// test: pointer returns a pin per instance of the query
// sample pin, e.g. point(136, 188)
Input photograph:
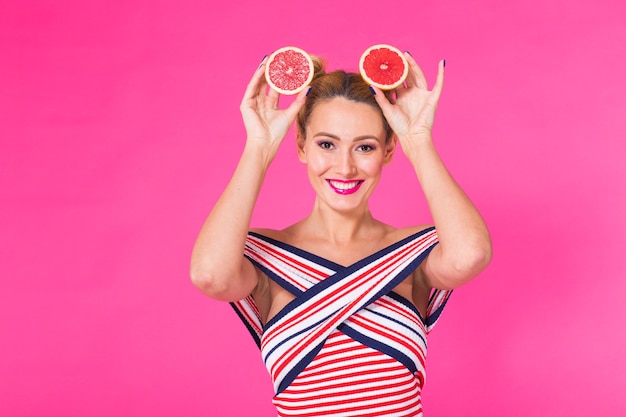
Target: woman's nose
point(345, 164)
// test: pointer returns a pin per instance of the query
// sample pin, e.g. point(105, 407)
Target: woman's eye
point(325, 145)
point(365, 148)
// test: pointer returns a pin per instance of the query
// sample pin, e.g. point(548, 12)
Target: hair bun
point(319, 66)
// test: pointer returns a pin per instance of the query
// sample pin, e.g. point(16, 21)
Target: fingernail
point(308, 91)
point(407, 52)
point(372, 90)
point(262, 61)
point(444, 63)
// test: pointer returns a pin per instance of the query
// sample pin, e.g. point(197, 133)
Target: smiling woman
point(346, 151)
point(339, 303)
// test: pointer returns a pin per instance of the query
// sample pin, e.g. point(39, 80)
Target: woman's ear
point(300, 142)
point(390, 149)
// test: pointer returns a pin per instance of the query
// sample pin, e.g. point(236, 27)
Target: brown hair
point(326, 86)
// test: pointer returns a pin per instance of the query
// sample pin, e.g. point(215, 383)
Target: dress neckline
point(320, 260)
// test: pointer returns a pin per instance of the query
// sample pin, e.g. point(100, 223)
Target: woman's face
point(344, 151)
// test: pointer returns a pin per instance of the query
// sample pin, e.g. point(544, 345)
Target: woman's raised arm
point(464, 248)
point(218, 267)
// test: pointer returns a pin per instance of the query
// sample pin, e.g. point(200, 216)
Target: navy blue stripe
point(299, 252)
point(254, 334)
point(431, 319)
point(298, 368)
point(402, 275)
point(379, 346)
point(384, 251)
point(275, 277)
point(408, 304)
point(409, 328)
point(282, 342)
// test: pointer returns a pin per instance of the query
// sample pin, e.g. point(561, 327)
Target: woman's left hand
point(413, 114)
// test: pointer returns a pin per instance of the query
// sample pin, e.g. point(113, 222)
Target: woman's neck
point(340, 227)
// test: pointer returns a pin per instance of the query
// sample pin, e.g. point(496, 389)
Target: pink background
point(119, 127)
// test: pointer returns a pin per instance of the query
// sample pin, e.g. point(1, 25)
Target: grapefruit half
point(289, 70)
point(383, 66)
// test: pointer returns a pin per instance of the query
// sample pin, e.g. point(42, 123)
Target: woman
point(341, 303)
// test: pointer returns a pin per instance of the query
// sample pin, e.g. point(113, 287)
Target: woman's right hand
point(267, 125)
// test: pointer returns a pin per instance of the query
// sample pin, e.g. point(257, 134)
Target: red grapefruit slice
point(383, 66)
point(289, 70)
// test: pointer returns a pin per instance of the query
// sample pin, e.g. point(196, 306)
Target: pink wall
point(119, 126)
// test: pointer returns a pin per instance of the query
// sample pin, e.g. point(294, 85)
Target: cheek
point(372, 165)
point(317, 162)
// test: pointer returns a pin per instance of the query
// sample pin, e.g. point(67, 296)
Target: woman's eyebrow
point(358, 138)
point(326, 134)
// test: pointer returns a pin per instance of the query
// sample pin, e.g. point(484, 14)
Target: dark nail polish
point(408, 53)
point(444, 63)
point(308, 91)
point(372, 90)
point(262, 61)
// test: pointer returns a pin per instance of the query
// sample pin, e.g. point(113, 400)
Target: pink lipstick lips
point(344, 187)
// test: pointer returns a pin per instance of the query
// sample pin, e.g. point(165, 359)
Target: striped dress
point(347, 345)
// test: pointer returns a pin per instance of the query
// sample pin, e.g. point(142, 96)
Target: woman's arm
point(218, 267)
point(464, 248)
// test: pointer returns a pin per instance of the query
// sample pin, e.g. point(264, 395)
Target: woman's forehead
point(340, 114)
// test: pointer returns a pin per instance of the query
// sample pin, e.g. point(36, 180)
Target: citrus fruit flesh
point(289, 70)
point(383, 66)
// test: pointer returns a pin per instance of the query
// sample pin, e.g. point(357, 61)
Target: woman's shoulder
point(400, 233)
point(296, 235)
point(271, 233)
point(288, 235)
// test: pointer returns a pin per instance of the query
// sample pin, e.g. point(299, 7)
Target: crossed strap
point(356, 300)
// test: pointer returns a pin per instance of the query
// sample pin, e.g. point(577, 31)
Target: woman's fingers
point(438, 87)
point(382, 101)
point(257, 82)
point(292, 111)
point(272, 98)
point(411, 78)
point(417, 79)
point(416, 76)
point(257, 93)
point(395, 114)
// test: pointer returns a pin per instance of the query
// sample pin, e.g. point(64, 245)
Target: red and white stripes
point(348, 378)
point(346, 345)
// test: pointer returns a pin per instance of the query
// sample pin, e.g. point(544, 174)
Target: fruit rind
point(377, 84)
point(268, 70)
